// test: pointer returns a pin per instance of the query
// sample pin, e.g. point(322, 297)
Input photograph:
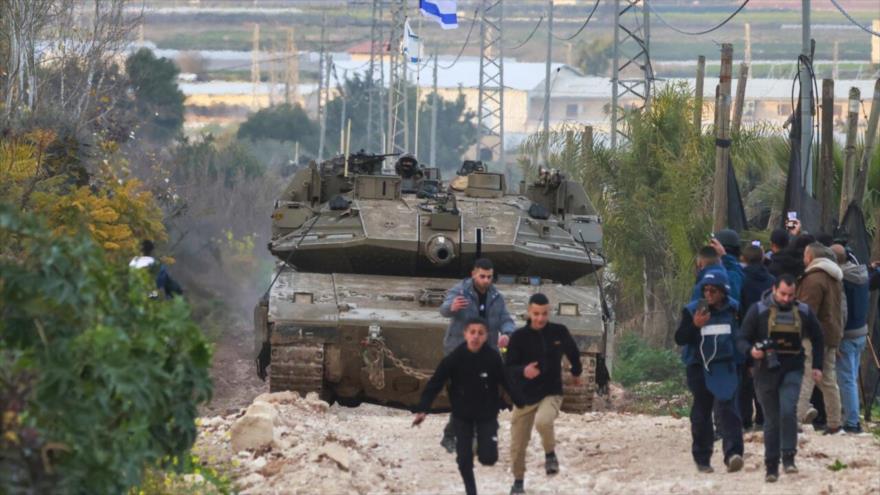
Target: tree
point(594, 58)
point(282, 123)
point(456, 129)
point(158, 100)
point(97, 381)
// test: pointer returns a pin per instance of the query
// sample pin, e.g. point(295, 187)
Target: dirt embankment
point(315, 448)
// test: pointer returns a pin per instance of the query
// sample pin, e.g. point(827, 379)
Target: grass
point(653, 378)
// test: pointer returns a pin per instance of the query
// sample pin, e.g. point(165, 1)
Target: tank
point(366, 257)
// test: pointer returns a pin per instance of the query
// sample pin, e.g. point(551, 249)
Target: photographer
point(772, 332)
point(707, 330)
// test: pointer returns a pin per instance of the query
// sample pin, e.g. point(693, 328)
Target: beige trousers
point(541, 415)
point(828, 385)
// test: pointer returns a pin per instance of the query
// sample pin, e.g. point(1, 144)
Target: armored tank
point(366, 258)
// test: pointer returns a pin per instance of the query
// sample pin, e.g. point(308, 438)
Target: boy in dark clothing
point(475, 371)
point(708, 329)
point(783, 323)
point(534, 358)
point(756, 282)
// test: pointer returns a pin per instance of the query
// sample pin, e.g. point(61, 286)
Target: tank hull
point(373, 338)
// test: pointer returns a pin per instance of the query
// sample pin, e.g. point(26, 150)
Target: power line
point(846, 14)
point(584, 25)
point(466, 41)
point(529, 37)
point(696, 33)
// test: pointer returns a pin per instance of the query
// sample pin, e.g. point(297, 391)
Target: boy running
point(475, 371)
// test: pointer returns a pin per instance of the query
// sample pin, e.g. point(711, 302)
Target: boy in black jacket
point(534, 355)
point(475, 371)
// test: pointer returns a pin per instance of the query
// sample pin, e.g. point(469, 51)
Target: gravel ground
point(374, 450)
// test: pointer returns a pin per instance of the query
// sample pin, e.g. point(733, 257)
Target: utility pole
point(698, 93)
point(740, 101)
point(849, 165)
point(273, 73)
point(321, 88)
point(490, 103)
point(397, 81)
point(722, 139)
point(826, 157)
point(861, 180)
point(747, 54)
point(418, 90)
point(835, 57)
point(328, 62)
point(806, 99)
point(375, 46)
point(632, 73)
point(434, 101)
point(547, 84)
point(255, 66)
point(291, 73)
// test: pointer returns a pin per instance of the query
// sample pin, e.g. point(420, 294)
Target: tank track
point(297, 365)
point(579, 399)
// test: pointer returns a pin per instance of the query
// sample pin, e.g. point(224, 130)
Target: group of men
point(530, 372)
point(770, 327)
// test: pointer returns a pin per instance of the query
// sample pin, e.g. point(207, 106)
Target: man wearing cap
point(709, 333)
point(726, 244)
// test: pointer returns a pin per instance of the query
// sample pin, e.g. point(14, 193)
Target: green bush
point(637, 362)
point(97, 381)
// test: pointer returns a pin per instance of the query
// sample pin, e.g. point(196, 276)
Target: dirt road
point(371, 449)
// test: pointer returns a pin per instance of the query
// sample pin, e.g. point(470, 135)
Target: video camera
point(769, 349)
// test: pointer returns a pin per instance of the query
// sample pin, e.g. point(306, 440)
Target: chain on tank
point(373, 359)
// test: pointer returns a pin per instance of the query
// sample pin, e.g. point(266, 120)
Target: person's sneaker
point(517, 488)
point(811, 414)
point(788, 465)
point(735, 463)
point(448, 443)
point(832, 431)
point(705, 468)
point(551, 463)
point(772, 475)
point(855, 430)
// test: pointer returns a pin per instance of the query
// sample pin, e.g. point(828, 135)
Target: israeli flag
point(442, 11)
point(412, 46)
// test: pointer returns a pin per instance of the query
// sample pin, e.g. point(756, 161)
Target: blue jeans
point(848, 378)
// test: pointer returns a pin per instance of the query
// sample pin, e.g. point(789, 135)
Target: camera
point(770, 357)
point(792, 220)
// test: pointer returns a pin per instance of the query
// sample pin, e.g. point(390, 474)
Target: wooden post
point(826, 157)
point(861, 181)
point(849, 166)
point(740, 97)
point(722, 139)
point(587, 145)
point(698, 93)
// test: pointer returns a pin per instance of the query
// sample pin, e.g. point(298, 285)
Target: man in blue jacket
point(726, 244)
point(855, 334)
point(709, 331)
point(757, 280)
point(474, 297)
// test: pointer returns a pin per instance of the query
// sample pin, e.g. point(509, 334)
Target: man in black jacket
point(781, 322)
point(475, 371)
point(534, 358)
point(756, 281)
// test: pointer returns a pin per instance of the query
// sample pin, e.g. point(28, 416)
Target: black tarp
point(797, 199)
point(855, 233)
point(736, 214)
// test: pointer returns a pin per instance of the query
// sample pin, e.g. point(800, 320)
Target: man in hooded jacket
point(821, 289)
point(756, 282)
point(855, 334)
point(709, 335)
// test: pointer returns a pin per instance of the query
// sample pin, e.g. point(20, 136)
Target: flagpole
point(418, 85)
